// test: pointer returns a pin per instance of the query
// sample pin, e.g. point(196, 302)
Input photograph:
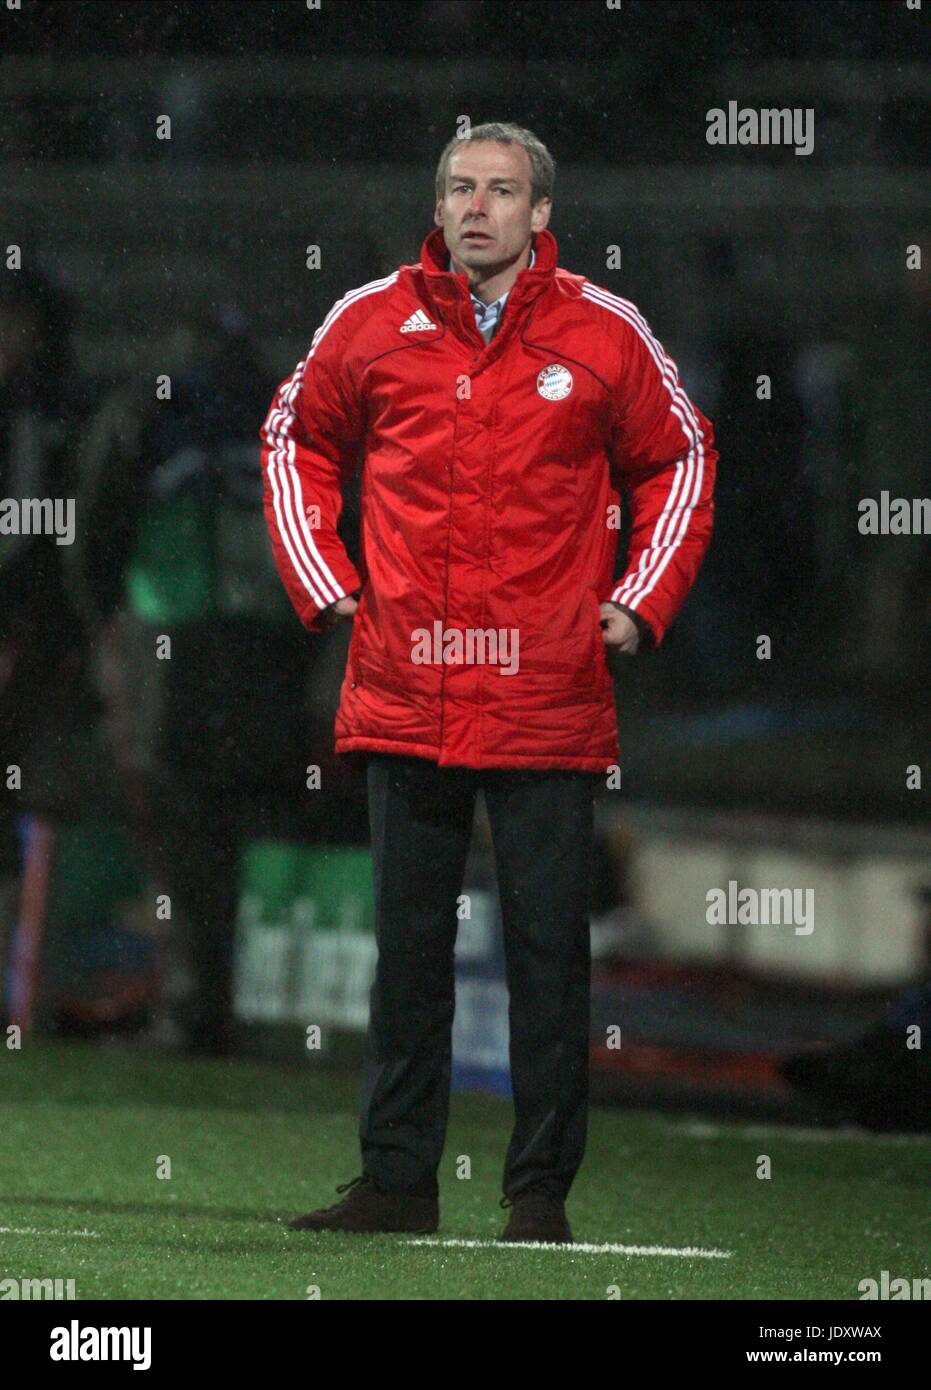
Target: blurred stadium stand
point(296, 131)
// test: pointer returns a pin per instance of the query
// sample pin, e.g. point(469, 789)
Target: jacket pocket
point(352, 656)
point(602, 671)
point(358, 635)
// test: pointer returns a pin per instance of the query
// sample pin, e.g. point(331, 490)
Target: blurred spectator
point(212, 742)
point(881, 1077)
point(39, 633)
point(754, 580)
point(889, 625)
point(877, 1079)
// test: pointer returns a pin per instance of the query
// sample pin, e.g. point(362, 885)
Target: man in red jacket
point(503, 406)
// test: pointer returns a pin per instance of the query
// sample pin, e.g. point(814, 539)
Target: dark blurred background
point(140, 257)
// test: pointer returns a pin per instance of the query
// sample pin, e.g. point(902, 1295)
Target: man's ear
point(438, 212)
point(540, 214)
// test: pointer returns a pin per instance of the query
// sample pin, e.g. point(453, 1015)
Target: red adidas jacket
point(491, 481)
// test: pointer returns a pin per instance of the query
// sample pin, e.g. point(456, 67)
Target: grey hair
point(542, 164)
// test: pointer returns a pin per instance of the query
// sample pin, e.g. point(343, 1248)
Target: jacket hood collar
point(446, 284)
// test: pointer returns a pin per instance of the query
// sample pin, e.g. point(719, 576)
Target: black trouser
point(542, 829)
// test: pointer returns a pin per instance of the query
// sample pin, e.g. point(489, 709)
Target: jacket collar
point(451, 291)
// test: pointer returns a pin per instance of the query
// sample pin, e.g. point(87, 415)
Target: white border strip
point(686, 1252)
point(41, 1231)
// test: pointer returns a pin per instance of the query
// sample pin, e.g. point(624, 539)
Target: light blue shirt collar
point(488, 316)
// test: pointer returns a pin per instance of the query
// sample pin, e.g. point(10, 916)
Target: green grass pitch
point(82, 1129)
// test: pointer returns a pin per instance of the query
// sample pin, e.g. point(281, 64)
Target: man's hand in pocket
point(618, 630)
point(342, 608)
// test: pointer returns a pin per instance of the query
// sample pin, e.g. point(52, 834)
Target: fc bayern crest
point(554, 382)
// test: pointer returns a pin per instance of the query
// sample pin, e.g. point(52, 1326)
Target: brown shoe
point(370, 1207)
point(537, 1213)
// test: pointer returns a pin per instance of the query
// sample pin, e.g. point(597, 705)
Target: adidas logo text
point(417, 323)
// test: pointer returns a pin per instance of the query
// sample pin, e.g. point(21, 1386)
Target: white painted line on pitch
point(686, 1252)
point(700, 1130)
point(833, 1136)
point(37, 1231)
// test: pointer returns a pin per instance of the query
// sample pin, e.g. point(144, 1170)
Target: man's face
point(486, 215)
